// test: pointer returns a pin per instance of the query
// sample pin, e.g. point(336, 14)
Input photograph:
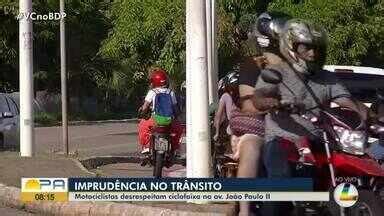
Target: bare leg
point(249, 148)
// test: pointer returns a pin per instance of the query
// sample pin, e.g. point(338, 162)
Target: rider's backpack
point(163, 112)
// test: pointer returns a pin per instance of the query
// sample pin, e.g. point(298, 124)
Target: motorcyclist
point(227, 103)
point(376, 150)
point(247, 122)
point(159, 86)
point(303, 46)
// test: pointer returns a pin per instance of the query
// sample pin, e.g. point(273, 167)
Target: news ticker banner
point(169, 189)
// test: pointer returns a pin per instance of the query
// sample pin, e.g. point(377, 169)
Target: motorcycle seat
point(161, 129)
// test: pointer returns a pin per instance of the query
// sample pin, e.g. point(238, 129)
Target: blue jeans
point(276, 165)
point(275, 160)
point(377, 150)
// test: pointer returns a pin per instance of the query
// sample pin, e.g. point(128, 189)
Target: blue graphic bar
point(188, 184)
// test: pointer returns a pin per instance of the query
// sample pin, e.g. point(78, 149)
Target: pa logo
point(44, 184)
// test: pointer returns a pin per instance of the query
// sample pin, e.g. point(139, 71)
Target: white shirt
point(152, 93)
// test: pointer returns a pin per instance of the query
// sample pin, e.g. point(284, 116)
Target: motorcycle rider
point(303, 46)
point(159, 85)
point(376, 150)
point(227, 103)
point(247, 122)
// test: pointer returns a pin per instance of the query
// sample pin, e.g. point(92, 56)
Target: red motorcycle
point(338, 156)
point(161, 153)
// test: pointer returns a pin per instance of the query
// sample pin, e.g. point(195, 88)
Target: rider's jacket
point(323, 85)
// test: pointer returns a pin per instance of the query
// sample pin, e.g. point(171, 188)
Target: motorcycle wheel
point(159, 163)
point(369, 204)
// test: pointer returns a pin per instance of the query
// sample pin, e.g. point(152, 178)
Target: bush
point(98, 116)
point(47, 119)
point(51, 119)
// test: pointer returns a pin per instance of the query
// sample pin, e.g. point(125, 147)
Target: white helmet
point(297, 32)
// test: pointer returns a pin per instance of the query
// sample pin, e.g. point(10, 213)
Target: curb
point(80, 165)
point(78, 123)
point(134, 120)
point(10, 196)
point(94, 162)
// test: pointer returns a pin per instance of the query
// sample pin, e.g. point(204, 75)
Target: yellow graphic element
point(345, 195)
point(32, 184)
point(348, 198)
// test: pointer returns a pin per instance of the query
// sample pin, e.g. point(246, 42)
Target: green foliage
point(152, 33)
point(353, 26)
point(47, 119)
point(237, 9)
point(52, 118)
point(145, 34)
point(86, 26)
point(235, 17)
point(111, 45)
point(8, 44)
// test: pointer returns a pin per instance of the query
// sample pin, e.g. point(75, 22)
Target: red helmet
point(159, 78)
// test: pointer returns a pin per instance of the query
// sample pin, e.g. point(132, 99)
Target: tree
point(355, 27)
point(8, 45)
point(150, 33)
point(112, 45)
point(235, 17)
point(145, 34)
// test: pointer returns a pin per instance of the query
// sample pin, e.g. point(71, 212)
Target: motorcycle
point(377, 138)
point(339, 158)
point(161, 154)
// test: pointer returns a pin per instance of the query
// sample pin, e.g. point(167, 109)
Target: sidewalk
point(13, 168)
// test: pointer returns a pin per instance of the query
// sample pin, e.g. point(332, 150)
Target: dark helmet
point(229, 82)
point(233, 78)
point(297, 32)
point(267, 28)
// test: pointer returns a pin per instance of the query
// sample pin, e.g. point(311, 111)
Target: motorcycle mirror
point(271, 76)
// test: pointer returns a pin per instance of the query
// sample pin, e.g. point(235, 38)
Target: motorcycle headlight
point(352, 142)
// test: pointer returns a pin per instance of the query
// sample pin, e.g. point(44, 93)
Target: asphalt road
point(90, 140)
point(100, 140)
point(95, 140)
point(87, 140)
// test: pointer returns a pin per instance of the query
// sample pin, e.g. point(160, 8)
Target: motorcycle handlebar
point(291, 107)
point(296, 108)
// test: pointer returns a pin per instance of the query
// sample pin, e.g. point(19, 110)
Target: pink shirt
point(229, 106)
